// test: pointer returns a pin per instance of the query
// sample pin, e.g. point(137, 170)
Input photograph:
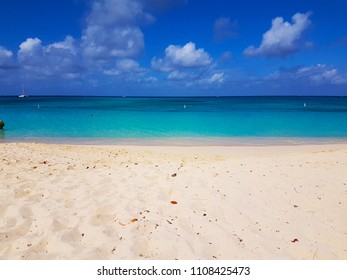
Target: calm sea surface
point(138, 118)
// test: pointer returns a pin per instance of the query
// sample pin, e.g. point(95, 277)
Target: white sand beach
point(62, 201)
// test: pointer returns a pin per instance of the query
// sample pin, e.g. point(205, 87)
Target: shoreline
point(185, 141)
point(139, 202)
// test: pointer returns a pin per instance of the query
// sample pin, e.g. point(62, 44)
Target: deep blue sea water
point(111, 118)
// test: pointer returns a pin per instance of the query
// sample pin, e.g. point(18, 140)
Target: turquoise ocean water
point(55, 118)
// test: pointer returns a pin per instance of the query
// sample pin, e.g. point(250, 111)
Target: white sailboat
point(23, 94)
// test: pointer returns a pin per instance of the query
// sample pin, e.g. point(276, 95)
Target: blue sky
point(173, 47)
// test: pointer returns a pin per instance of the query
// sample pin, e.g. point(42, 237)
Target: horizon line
point(170, 96)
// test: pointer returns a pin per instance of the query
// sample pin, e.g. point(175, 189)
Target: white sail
point(23, 93)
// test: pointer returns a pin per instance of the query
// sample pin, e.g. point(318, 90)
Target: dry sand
point(113, 202)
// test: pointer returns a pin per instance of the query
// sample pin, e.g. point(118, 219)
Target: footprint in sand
point(25, 212)
point(16, 232)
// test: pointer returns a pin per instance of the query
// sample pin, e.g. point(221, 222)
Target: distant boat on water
point(23, 93)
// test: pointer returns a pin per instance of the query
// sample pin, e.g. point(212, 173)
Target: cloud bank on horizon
point(113, 56)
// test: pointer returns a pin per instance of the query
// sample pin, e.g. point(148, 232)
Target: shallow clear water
point(103, 117)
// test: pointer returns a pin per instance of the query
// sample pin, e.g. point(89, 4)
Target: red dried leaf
point(173, 202)
point(134, 220)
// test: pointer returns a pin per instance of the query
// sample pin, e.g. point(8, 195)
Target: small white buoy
point(184, 106)
point(304, 104)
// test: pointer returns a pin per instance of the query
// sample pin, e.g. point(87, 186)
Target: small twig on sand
point(315, 253)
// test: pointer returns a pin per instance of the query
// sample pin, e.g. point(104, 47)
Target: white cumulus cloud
point(6, 58)
point(110, 40)
point(216, 78)
point(4, 53)
point(129, 65)
point(183, 63)
point(181, 57)
point(150, 79)
point(125, 66)
point(187, 56)
point(283, 38)
point(30, 50)
point(60, 58)
point(182, 75)
point(319, 74)
point(210, 80)
point(69, 45)
point(113, 29)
